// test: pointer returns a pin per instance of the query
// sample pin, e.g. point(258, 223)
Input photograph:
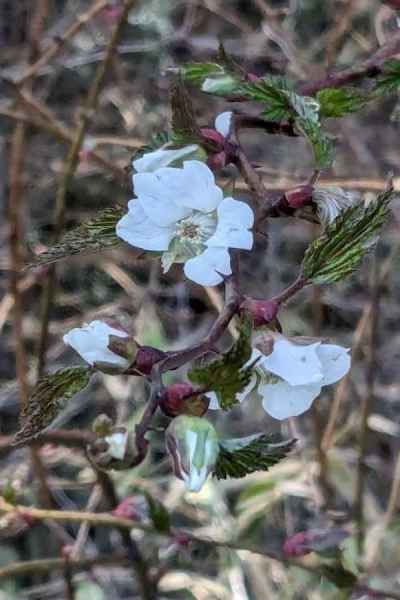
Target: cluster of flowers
point(180, 213)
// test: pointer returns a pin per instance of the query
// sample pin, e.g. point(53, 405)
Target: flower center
point(187, 230)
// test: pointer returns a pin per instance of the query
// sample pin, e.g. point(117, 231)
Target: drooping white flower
point(162, 157)
point(293, 374)
point(181, 212)
point(193, 446)
point(91, 342)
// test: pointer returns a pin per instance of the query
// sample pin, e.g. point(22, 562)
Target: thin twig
point(375, 292)
point(70, 165)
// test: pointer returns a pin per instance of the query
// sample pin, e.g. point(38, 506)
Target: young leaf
point(184, 126)
point(227, 376)
point(340, 250)
point(242, 456)
point(48, 398)
point(94, 235)
point(196, 73)
point(159, 515)
point(273, 91)
point(337, 102)
point(322, 144)
point(389, 81)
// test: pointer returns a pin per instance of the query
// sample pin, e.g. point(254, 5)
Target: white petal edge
point(199, 190)
point(336, 362)
point(209, 267)
point(138, 230)
point(223, 122)
point(295, 363)
point(151, 161)
point(91, 341)
point(281, 400)
point(235, 218)
point(158, 194)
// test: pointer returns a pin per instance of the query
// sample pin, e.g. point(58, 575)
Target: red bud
point(128, 509)
point(213, 136)
point(262, 311)
point(313, 540)
point(217, 161)
point(298, 197)
point(174, 398)
point(146, 358)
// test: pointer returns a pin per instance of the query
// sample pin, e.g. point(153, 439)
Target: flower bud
point(299, 196)
point(116, 450)
point(313, 540)
point(262, 311)
point(213, 138)
point(192, 444)
point(146, 358)
point(181, 398)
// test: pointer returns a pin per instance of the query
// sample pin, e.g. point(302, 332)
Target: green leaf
point(337, 102)
point(48, 398)
point(389, 81)
point(340, 250)
point(242, 456)
point(196, 73)
point(227, 375)
point(273, 91)
point(159, 515)
point(94, 235)
point(184, 126)
point(322, 144)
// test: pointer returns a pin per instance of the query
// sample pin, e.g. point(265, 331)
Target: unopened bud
point(181, 398)
point(261, 311)
point(193, 446)
point(299, 196)
point(146, 358)
point(116, 450)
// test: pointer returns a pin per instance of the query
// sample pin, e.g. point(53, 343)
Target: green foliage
point(159, 515)
point(322, 145)
point(227, 375)
point(212, 78)
point(338, 102)
point(196, 72)
point(93, 236)
point(340, 250)
point(48, 398)
point(242, 456)
point(275, 92)
point(389, 81)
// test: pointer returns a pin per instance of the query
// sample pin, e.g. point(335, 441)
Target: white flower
point(162, 157)
point(293, 374)
point(91, 342)
point(181, 212)
point(117, 443)
point(223, 123)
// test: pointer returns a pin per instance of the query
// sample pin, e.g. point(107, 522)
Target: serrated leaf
point(227, 375)
point(197, 72)
point(48, 398)
point(94, 235)
point(258, 452)
point(389, 80)
point(273, 91)
point(337, 102)
point(159, 515)
point(340, 250)
point(322, 145)
point(184, 126)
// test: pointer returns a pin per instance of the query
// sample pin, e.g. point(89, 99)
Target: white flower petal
point(117, 444)
point(212, 396)
point(138, 230)
point(91, 342)
point(151, 161)
point(223, 123)
point(234, 220)
point(159, 192)
point(199, 190)
point(295, 363)
point(281, 400)
point(336, 362)
point(205, 269)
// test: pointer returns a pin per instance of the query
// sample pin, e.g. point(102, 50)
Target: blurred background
point(316, 486)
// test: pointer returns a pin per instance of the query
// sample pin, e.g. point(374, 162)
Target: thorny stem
point(371, 370)
point(299, 283)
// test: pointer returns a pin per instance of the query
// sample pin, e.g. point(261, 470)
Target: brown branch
point(371, 370)
point(48, 565)
point(371, 67)
point(60, 41)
